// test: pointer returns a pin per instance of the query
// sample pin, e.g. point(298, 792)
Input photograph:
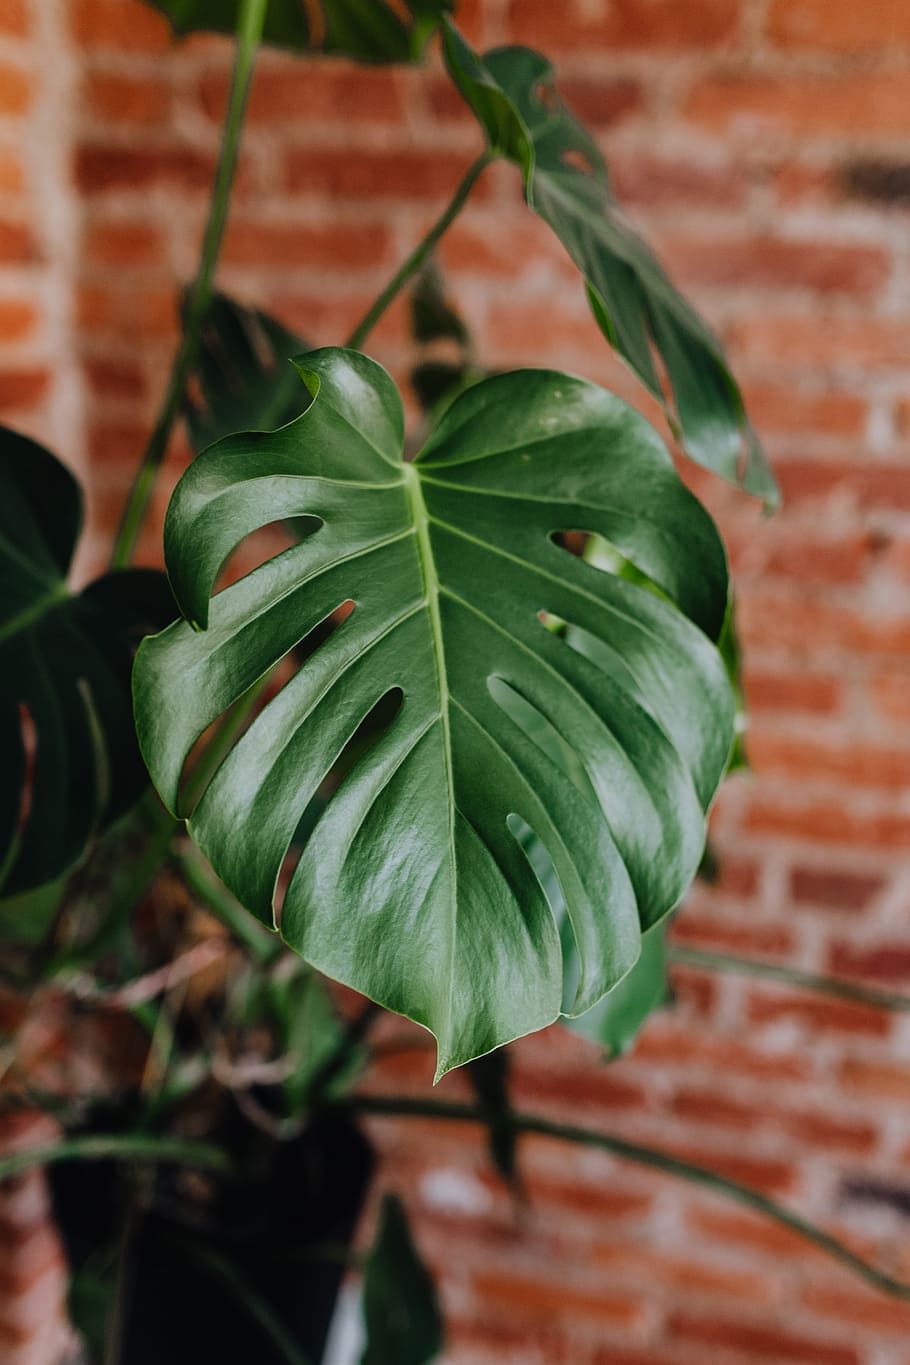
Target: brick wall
point(764, 145)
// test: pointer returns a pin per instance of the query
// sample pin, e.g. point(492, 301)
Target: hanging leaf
point(400, 1308)
point(243, 379)
point(489, 1078)
point(616, 1020)
point(412, 887)
point(372, 31)
point(511, 91)
point(67, 748)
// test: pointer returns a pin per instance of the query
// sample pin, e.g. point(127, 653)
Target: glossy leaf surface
point(68, 752)
point(413, 887)
point(370, 31)
point(243, 379)
point(400, 1308)
point(511, 91)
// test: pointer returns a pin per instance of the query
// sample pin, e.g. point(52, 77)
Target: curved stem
point(249, 32)
point(419, 255)
point(394, 1107)
point(790, 976)
point(117, 1147)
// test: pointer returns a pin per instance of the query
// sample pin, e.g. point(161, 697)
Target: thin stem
point(262, 944)
point(394, 1107)
point(790, 976)
point(419, 255)
point(117, 1147)
point(249, 32)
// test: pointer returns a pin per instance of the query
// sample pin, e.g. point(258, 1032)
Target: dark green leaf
point(432, 316)
point(67, 748)
point(413, 887)
point(489, 1077)
point(27, 918)
point(243, 379)
point(511, 91)
point(367, 30)
point(403, 1322)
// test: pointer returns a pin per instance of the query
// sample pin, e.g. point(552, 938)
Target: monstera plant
point(448, 738)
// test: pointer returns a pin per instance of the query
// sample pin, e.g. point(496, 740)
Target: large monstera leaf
point(413, 886)
point(373, 31)
point(511, 91)
point(68, 751)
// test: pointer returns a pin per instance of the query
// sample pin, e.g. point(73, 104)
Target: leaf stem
point(249, 32)
point(420, 253)
point(395, 1107)
point(117, 1147)
point(790, 976)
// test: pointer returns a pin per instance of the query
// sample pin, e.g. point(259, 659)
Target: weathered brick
point(819, 1014)
point(119, 25)
point(839, 25)
point(328, 92)
point(22, 388)
point(15, 89)
point(285, 244)
point(14, 17)
point(127, 99)
point(759, 1340)
point(770, 262)
point(409, 172)
point(101, 167)
point(835, 889)
point(634, 24)
point(847, 105)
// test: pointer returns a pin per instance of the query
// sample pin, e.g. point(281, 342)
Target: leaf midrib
point(421, 521)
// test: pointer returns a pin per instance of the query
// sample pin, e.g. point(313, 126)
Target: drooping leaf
point(400, 1308)
point(412, 887)
point(68, 753)
point(243, 379)
point(373, 31)
point(511, 91)
point(433, 318)
point(616, 1020)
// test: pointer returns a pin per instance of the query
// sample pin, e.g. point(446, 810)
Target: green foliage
point(511, 91)
point(368, 30)
point(616, 1021)
point(242, 377)
point(412, 887)
point(403, 1322)
point(67, 745)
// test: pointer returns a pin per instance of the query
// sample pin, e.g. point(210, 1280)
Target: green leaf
point(489, 1078)
point(67, 749)
point(413, 887)
point(511, 91)
point(243, 379)
point(27, 918)
point(368, 30)
point(401, 1311)
point(616, 1021)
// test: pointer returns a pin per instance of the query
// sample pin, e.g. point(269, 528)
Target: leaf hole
point(264, 544)
point(575, 158)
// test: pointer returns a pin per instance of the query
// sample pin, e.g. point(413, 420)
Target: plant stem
point(117, 1147)
point(263, 945)
point(249, 31)
point(790, 976)
point(394, 1107)
point(419, 255)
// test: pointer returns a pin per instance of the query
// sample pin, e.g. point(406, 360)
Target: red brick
point(633, 24)
point(327, 92)
point(124, 311)
point(756, 1340)
point(833, 888)
point(746, 1229)
point(769, 262)
point(855, 1138)
point(819, 1014)
point(723, 933)
point(707, 1106)
point(17, 319)
point(856, 764)
point(830, 824)
point(114, 378)
point(782, 619)
point(870, 485)
point(782, 408)
point(285, 244)
point(597, 1086)
point(770, 1175)
point(101, 167)
point(116, 443)
point(540, 1296)
point(119, 25)
point(17, 244)
point(13, 17)
point(875, 1080)
point(23, 388)
point(602, 103)
point(12, 175)
point(674, 1047)
point(847, 105)
point(127, 243)
point(409, 173)
point(595, 1201)
point(816, 561)
point(797, 691)
point(892, 694)
point(794, 340)
point(15, 89)
point(661, 182)
point(885, 963)
point(858, 1308)
point(127, 99)
point(839, 25)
